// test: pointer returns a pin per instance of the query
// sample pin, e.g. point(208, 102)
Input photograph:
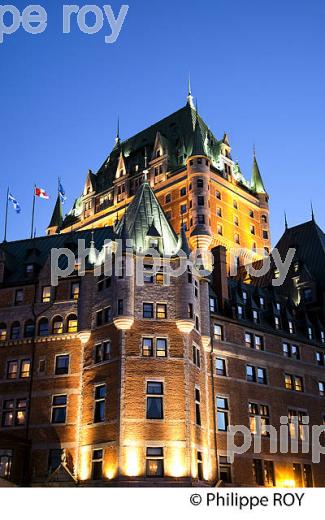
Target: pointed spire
point(285, 221)
point(117, 138)
point(198, 142)
point(57, 218)
point(312, 211)
point(257, 182)
point(189, 93)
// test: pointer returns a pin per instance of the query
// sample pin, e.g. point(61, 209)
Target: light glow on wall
point(132, 462)
point(176, 466)
point(84, 463)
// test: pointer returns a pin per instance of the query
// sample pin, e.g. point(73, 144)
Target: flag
point(14, 202)
point(62, 193)
point(39, 192)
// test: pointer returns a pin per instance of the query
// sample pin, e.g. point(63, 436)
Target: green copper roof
point(145, 219)
point(198, 141)
point(257, 183)
point(57, 219)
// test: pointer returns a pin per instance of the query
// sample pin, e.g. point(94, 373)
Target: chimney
point(219, 275)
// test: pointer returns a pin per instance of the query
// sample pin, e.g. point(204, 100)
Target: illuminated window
point(154, 462)
point(3, 332)
point(276, 322)
point(147, 347)
point(321, 388)
point(99, 409)
point(291, 327)
point(57, 327)
point(310, 332)
point(161, 347)
point(12, 369)
point(155, 391)
point(293, 382)
point(161, 311)
point(160, 278)
point(46, 294)
point(72, 323)
point(5, 463)
point(222, 413)
point(25, 366)
point(255, 316)
point(259, 418)
point(14, 412)
point(319, 358)
point(62, 364)
point(263, 472)
point(297, 420)
point(59, 409)
point(75, 289)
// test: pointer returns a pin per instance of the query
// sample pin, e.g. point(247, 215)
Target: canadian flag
point(39, 192)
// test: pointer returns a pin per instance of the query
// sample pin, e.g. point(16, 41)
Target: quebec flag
point(14, 202)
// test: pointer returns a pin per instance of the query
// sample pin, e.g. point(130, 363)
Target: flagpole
point(6, 217)
point(33, 213)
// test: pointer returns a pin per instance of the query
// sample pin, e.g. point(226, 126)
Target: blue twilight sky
point(257, 69)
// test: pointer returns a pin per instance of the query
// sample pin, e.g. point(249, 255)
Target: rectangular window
point(19, 296)
point(249, 339)
point(196, 355)
point(97, 465)
point(161, 347)
point(256, 374)
point(46, 294)
point(103, 351)
point(155, 391)
point(296, 424)
point(263, 472)
point(308, 475)
point(154, 462)
point(258, 472)
point(100, 400)
point(319, 358)
point(75, 289)
point(120, 307)
point(148, 310)
point(224, 470)
point(183, 209)
point(197, 407)
point(218, 332)
point(147, 274)
point(99, 318)
point(12, 369)
point(293, 382)
point(5, 463)
point(161, 311)
point(259, 344)
point(259, 418)
point(62, 364)
point(107, 314)
point(222, 413)
point(190, 311)
point(147, 347)
point(59, 409)
point(221, 367)
point(321, 388)
point(200, 200)
point(290, 350)
point(14, 412)
point(213, 304)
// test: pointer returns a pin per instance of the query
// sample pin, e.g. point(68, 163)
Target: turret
point(257, 184)
point(198, 170)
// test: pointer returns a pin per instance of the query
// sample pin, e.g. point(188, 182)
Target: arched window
point(29, 329)
point(3, 332)
point(264, 219)
point(15, 330)
point(43, 327)
point(72, 323)
point(57, 325)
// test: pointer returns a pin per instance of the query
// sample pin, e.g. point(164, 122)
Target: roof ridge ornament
point(190, 98)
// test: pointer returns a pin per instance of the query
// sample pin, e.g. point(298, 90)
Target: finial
point(117, 138)
point(145, 158)
point(189, 93)
point(254, 151)
point(312, 211)
point(285, 220)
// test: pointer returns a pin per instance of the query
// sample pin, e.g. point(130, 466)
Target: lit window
point(293, 382)
point(12, 369)
point(259, 418)
point(321, 388)
point(297, 420)
point(213, 305)
point(3, 332)
point(319, 358)
point(72, 323)
point(310, 333)
point(5, 463)
point(25, 366)
point(291, 327)
point(161, 311)
point(154, 462)
point(161, 347)
point(57, 327)
point(46, 294)
point(75, 289)
point(147, 347)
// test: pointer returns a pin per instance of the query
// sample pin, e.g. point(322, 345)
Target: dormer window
point(278, 306)
point(310, 332)
point(322, 336)
point(262, 302)
point(276, 322)
point(255, 316)
point(29, 268)
point(245, 296)
point(153, 243)
point(239, 311)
